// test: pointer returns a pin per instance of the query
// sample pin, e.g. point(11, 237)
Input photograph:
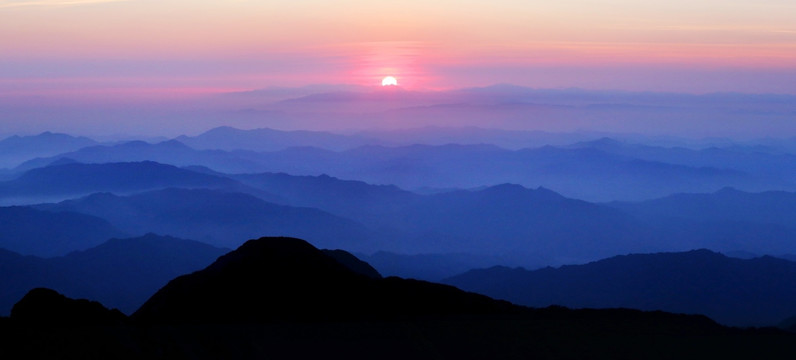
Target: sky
point(171, 48)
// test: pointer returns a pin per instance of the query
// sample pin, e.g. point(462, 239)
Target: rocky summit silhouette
point(283, 278)
point(46, 306)
point(281, 298)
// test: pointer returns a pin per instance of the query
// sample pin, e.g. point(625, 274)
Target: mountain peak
point(45, 306)
point(282, 278)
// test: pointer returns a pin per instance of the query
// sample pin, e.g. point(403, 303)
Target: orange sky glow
point(179, 44)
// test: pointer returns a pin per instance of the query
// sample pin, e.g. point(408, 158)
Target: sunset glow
point(251, 45)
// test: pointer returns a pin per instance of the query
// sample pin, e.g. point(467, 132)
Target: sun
point(389, 81)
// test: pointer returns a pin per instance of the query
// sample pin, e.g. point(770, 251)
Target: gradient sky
point(181, 47)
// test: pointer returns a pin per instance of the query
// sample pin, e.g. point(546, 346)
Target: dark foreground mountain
point(288, 279)
point(47, 306)
point(121, 273)
point(304, 304)
point(760, 291)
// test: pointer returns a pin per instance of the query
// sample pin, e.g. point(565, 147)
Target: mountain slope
point(759, 291)
point(585, 173)
point(17, 149)
point(120, 273)
point(288, 279)
point(44, 233)
point(281, 298)
point(726, 220)
point(358, 200)
point(218, 217)
point(727, 204)
point(167, 152)
point(264, 139)
point(76, 179)
point(510, 219)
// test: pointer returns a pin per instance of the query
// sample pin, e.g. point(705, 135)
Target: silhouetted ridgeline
point(121, 273)
point(303, 283)
point(760, 291)
point(282, 298)
point(42, 306)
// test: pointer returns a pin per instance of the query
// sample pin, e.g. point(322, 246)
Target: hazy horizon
point(350, 109)
point(115, 68)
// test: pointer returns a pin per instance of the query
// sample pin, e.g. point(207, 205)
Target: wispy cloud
point(51, 3)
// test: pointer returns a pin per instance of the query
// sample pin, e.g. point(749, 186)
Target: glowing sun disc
point(389, 81)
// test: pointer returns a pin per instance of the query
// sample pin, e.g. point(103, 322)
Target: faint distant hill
point(16, 149)
point(535, 227)
point(589, 174)
point(508, 219)
point(288, 279)
point(585, 173)
point(753, 159)
point(264, 139)
point(473, 135)
point(44, 233)
point(218, 217)
point(564, 110)
point(67, 180)
point(120, 273)
point(727, 204)
point(170, 152)
point(80, 179)
point(364, 202)
point(759, 291)
point(733, 218)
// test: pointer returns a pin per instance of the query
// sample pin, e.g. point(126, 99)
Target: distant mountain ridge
point(734, 219)
point(727, 204)
point(759, 292)
point(264, 139)
point(16, 149)
point(44, 233)
point(218, 217)
point(610, 175)
point(535, 226)
point(69, 179)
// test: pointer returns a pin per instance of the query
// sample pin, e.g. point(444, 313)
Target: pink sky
point(147, 47)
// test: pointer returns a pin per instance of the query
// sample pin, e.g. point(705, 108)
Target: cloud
point(51, 3)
